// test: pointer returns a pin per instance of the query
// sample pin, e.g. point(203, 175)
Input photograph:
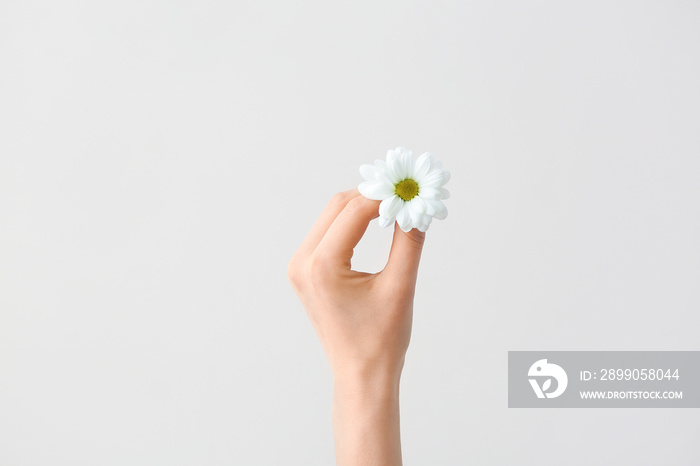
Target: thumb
point(405, 255)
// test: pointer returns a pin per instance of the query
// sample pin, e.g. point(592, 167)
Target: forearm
point(366, 420)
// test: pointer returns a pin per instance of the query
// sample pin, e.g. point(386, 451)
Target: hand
point(364, 324)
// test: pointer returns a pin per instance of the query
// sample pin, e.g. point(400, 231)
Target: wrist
point(363, 388)
point(366, 374)
point(366, 417)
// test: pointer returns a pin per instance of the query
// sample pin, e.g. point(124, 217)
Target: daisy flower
point(411, 192)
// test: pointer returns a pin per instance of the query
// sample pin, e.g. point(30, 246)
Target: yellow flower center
point(406, 189)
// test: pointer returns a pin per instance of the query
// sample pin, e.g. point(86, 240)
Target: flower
point(411, 192)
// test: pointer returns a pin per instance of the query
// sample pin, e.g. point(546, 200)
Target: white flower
point(411, 192)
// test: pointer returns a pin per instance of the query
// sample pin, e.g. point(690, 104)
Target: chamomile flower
point(411, 191)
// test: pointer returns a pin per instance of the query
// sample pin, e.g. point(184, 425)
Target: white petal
point(442, 213)
point(407, 227)
point(435, 179)
point(445, 177)
point(431, 180)
point(368, 172)
point(396, 157)
point(427, 192)
point(445, 193)
point(401, 151)
point(382, 173)
point(414, 209)
point(384, 177)
point(433, 206)
point(425, 223)
point(385, 222)
point(375, 190)
point(404, 219)
point(419, 205)
point(390, 207)
point(406, 163)
point(422, 166)
point(393, 169)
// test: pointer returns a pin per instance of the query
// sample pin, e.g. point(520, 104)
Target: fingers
point(404, 257)
point(324, 221)
point(347, 230)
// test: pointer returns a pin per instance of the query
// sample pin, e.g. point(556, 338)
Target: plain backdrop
point(160, 161)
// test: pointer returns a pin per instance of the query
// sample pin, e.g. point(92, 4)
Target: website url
point(631, 395)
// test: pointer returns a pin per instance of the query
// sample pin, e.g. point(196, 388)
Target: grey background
point(681, 367)
point(161, 161)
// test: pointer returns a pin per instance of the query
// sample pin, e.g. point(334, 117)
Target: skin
point(364, 323)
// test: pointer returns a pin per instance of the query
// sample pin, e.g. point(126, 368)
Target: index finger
point(347, 230)
point(324, 221)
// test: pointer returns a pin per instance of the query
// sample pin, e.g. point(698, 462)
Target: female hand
point(364, 323)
